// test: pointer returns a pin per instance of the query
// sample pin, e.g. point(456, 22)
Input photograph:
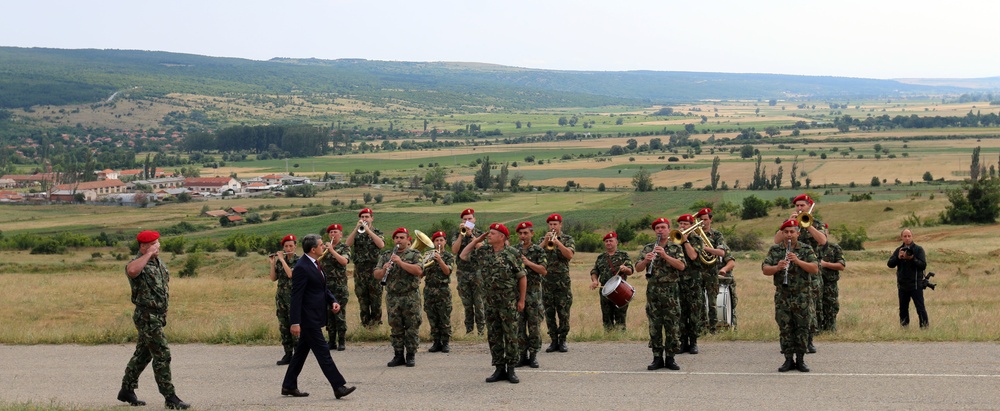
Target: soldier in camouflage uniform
point(832, 262)
point(366, 247)
point(609, 264)
point(813, 236)
point(402, 271)
point(711, 278)
point(663, 263)
point(529, 323)
point(692, 292)
point(149, 280)
point(792, 264)
point(333, 262)
point(470, 280)
point(281, 271)
point(505, 286)
point(557, 295)
point(437, 292)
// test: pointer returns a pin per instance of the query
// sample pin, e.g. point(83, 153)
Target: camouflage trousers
point(612, 316)
point(470, 290)
point(791, 312)
point(557, 298)
point(691, 295)
point(710, 282)
point(404, 321)
point(529, 323)
point(337, 323)
point(501, 323)
point(437, 305)
point(663, 310)
point(369, 293)
point(816, 304)
point(282, 303)
point(831, 304)
point(151, 345)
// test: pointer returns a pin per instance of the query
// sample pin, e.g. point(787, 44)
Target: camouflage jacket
point(365, 250)
point(434, 276)
point(832, 253)
point(607, 265)
point(336, 274)
point(557, 263)
point(285, 283)
point(798, 279)
point(400, 282)
point(462, 265)
point(150, 289)
point(663, 272)
point(719, 241)
point(500, 270)
point(696, 265)
point(536, 255)
point(806, 238)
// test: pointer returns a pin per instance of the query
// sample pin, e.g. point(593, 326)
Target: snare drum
point(724, 306)
point(618, 291)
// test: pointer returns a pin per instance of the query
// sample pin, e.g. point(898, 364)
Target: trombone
point(677, 237)
point(806, 219)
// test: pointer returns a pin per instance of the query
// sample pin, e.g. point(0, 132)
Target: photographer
point(909, 261)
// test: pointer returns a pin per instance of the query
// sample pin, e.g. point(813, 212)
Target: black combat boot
point(523, 361)
point(562, 345)
point(444, 345)
point(436, 347)
point(341, 342)
point(684, 345)
point(128, 395)
point(788, 365)
point(554, 346)
point(811, 348)
point(657, 362)
point(511, 376)
point(693, 349)
point(800, 363)
point(397, 360)
point(499, 375)
point(286, 359)
point(411, 359)
point(174, 403)
point(671, 364)
point(532, 360)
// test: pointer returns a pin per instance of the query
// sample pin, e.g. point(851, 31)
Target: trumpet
point(549, 243)
point(361, 230)
point(464, 231)
point(806, 219)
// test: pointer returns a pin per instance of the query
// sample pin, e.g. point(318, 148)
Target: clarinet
point(649, 268)
point(386, 275)
point(788, 249)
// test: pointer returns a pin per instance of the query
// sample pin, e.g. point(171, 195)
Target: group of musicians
point(506, 285)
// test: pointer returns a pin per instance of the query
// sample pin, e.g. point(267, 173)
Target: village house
point(158, 183)
point(212, 185)
point(91, 190)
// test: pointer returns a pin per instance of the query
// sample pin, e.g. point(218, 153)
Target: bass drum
point(724, 306)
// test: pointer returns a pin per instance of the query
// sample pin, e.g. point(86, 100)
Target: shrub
point(174, 244)
point(191, 265)
point(851, 240)
point(625, 232)
point(589, 242)
point(48, 246)
point(741, 241)
point(754, 207)
point(782, 202)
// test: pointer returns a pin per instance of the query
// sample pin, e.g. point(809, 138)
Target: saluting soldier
point(505, 287)
point(832, 262)
point(367, 242)
point(529, 323)
point(610, 263)
point(281, 271)
point(470, 280)
point(557, 295)
point(664, 264)
point(149, 280)
point(401, 268)
point(334, 264)
point(692, 290)
point(437, 293)
point(791, 265)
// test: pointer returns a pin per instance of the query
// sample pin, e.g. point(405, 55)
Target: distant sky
point(850, 38)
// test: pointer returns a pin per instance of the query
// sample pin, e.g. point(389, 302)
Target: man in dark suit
point(310, 300)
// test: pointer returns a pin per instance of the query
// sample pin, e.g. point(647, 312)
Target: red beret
point(826, 226)
point(803, 197)
point(659, 221)
point(399, 230)
point(467, 211)
point(789, 223)
point(611, 235)
point(554, 217)
point(703, 211)
point(334, 226)
point(365, 210)
point(439, 234)
point(147, 236)
point(290, 237)
point(501, 228)
point(523, 225)
point(686, 217)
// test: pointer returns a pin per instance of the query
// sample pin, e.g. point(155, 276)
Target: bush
point(851, 240)
point(754, 207)
point(741, 241)
point(782, 202)
point(203, 244)
point(860, 197)
point(312, 211)
point(191, 265)
point(625, 232)
point(174, 244)
point(48, 246)
point(589, 242)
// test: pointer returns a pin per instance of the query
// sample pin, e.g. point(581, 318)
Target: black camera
point(926, 282)
point(908, 250)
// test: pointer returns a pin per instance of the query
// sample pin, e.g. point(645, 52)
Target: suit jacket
point(311, 299)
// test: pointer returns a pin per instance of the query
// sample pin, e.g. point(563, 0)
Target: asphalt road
point(592, 376)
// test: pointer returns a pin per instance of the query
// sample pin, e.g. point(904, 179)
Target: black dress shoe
point(342, 391)
point(174, 403)
point(127, 395)
point(285, 360)
point(293, 392)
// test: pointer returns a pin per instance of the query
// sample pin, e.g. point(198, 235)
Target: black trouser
point(917, 295)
